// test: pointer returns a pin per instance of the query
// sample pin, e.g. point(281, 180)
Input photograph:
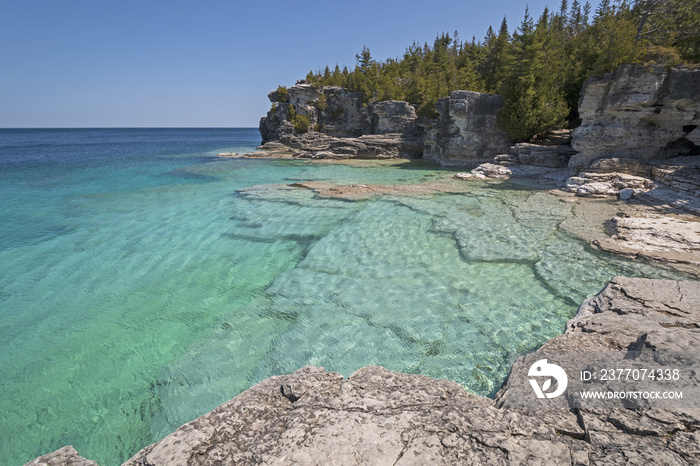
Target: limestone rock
point(664, 239)
point(466, 132)
point(607, 184)
point(391, 116)
point(487, 171)
point(680, 173)
point(343, 127)
point(382, 417)
point(643, 113)
point(626, 194)
point(543, 156)
point(66, 456)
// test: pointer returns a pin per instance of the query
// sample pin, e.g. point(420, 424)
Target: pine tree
point(496, 61)
point(534, 100)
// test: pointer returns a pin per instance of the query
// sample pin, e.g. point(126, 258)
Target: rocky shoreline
point(632, 174)
point(381, 417)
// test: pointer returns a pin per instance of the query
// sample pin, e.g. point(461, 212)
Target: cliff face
point(644, 113)
point(340, 126)
point(465, 132)
point(632, 120)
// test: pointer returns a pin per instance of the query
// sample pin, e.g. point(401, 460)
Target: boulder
point(607, 184)
point(487, 171)
point(626, 194)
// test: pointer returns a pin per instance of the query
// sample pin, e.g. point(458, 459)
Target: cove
point(145, 281)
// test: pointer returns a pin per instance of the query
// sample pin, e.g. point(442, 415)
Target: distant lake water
point(139, 288)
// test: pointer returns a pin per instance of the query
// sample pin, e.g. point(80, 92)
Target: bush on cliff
point(301, 123)
point(291, 112)
point(322, 102)
point(282, 94)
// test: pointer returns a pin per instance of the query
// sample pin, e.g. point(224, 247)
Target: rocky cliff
point(465, 132)
point(380, 417)
point(636, 121)
point(340, 126)
point(645, 113)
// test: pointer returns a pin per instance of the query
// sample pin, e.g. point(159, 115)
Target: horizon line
point(129, 127)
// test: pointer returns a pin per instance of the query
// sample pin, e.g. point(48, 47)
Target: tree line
point(539, 69)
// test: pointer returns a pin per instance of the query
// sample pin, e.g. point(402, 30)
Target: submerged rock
point(381, 417)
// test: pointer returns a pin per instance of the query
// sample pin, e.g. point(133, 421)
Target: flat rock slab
point(664, 239)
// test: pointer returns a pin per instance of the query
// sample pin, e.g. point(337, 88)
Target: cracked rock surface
point(381, 417)
point(376, 416)
point(664, 239)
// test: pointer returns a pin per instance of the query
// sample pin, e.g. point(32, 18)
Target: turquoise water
point(142, 283)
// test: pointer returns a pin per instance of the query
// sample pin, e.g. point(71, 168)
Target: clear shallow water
point(139, 288)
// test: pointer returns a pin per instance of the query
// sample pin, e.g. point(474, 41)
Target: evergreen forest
point(539, 68)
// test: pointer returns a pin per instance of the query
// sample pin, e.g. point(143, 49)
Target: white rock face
point(642, 113)
point(466, 132)
point(391, 116)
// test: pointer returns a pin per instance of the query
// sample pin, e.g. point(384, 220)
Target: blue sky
point(123, 63)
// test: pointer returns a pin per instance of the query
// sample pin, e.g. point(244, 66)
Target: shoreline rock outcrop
point(465, 132)
point(381, 417)
point(340, 126)
point(645, 113)
point(638, 120)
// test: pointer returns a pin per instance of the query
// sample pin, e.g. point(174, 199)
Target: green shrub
point(291, 112)
point(318, 127)
point(301, 123)
point(322, 102)
point(282, 94)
